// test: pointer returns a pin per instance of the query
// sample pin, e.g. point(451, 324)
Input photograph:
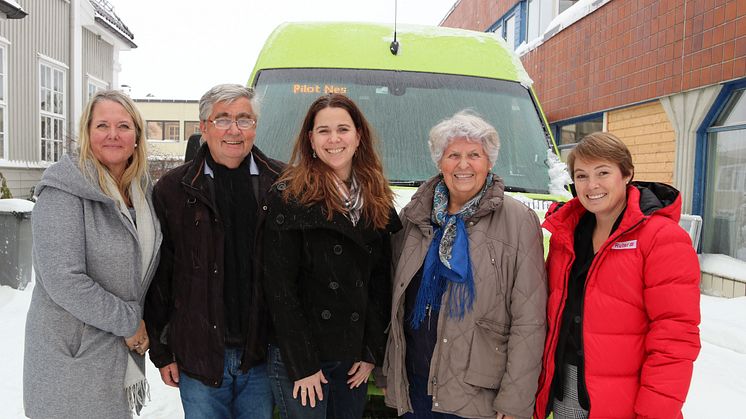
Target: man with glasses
point(204, 311)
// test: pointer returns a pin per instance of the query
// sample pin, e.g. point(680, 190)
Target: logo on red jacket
point(632, 244)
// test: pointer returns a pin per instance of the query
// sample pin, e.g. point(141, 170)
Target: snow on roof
point(105, 14)
point(16, 205)
point(572, 14)
point(723, 266)
point(12, 9)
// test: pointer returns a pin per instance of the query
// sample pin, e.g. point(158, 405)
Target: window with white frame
point(95, 85)
point(52, 98)
point(3, 102)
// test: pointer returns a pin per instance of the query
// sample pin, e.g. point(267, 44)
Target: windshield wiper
point(413, 183)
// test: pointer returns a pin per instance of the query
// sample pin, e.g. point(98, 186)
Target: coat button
point(264, 207)
point(445, 340)
point(333, 285)
point(326, 314)
point(337, 249)
point(359, 283)
point(577, 319)
point(280, 219)
point(282, 186)
point(355, 317)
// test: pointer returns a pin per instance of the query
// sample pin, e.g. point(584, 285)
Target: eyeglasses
point(241, 123)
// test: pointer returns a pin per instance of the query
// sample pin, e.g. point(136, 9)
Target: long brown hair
point(310, 181)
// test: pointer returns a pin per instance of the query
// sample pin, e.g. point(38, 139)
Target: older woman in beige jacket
point(469, 297)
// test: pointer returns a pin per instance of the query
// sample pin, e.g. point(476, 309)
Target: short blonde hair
point(602, 146)
point(137, 166)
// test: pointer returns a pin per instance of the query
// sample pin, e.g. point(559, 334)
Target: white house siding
point(43, 33)
point(97, 60)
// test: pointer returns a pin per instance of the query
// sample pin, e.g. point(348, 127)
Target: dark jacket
point(184, 307)
point(640, 308)
point(329, 289)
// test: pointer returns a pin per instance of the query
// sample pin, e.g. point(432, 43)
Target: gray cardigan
point(88, 297)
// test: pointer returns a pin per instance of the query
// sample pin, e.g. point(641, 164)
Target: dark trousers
point(422, 403)
point(340, 401)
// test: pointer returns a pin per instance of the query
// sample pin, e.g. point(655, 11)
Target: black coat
point(184, 307)
point(327, 284)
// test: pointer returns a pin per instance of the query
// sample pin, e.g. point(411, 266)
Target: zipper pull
point(429, 312)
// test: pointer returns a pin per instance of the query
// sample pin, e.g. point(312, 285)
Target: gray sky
point(187, 46)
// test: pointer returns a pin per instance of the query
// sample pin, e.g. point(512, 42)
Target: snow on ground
point(717, 391)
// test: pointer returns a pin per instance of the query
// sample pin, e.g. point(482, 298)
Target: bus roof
point(366, 45)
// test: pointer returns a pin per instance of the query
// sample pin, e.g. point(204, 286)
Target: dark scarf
point(237, 208)
point(447, 262)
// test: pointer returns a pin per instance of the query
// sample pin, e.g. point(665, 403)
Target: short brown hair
point(602, 146)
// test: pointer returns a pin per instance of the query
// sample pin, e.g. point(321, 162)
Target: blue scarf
point(447, 263)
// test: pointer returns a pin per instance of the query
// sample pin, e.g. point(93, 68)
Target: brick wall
point(477, 15)
point(630, 51)
point(650, 137)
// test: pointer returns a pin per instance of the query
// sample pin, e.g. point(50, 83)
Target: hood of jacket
point(419, 208)
point(66, 176)
point(644, 199)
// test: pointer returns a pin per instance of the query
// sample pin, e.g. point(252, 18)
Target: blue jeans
point(422, 403)
point(340, 402)
point(241, 396)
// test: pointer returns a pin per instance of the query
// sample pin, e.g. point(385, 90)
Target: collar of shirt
point(253, 168)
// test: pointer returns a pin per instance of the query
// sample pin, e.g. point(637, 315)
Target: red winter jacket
point(640, 310)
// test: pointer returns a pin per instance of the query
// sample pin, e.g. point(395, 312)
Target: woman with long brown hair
point(327, 282)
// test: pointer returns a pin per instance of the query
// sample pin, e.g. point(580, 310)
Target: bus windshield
point(401, 108)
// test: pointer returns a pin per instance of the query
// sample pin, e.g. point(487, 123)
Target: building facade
point(169, 124)
point(51, 61)
point(668, 77)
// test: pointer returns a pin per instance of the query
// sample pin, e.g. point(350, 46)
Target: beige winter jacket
point(489, 361)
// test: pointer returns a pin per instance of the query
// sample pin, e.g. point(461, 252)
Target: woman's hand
point(503, 416)
point(138, 342)
point(359, 372)
point(311, 387)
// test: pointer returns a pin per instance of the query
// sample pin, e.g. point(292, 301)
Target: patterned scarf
point(447, 262)
point(352, 198)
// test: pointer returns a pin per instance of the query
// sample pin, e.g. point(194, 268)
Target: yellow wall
point(650, 138)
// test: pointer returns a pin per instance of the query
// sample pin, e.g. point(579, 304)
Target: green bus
point(434, 73)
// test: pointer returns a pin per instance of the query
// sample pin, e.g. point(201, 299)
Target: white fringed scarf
point(135, 385)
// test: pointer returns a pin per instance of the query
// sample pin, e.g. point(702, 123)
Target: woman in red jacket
point(623, 308)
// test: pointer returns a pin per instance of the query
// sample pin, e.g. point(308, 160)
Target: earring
point(135, 145)
point(314, 154)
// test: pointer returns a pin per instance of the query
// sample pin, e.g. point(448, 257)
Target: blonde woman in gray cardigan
point(95, 244)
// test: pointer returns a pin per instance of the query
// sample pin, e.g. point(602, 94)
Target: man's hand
point(170, 374)
point(311, 387)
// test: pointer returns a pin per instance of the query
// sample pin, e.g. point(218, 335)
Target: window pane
point(510, 32)
point(734, 112)
point(724, 228)
point(190, 127)
point(154, 130)
point(172, 131)
point(565, 4)
point(58, 81)
point(57, 103)
point(533, 19)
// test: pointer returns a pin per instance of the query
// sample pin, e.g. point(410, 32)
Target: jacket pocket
point(488, 354)
point(76, 345)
